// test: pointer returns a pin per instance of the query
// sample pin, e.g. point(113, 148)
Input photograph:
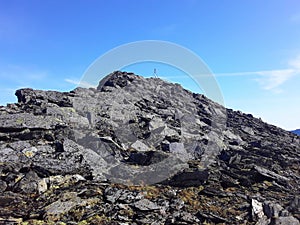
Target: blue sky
point(252, 47)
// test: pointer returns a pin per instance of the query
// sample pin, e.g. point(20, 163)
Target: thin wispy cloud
point(270, 80)
point(79, 83)
point(267, 79)
point(71, 81)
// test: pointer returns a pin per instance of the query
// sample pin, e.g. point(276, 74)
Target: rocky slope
point(142, 151)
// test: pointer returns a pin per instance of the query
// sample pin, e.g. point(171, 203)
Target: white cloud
point(272, 79)
point(79, 83)
point(76, 82)
point(267, 79)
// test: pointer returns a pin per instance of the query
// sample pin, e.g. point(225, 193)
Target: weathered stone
point(145, 205)
point(57, 209)
point(263, 221)
point(42, 185)
point(147, 158)
point(257, 208)
point(189, 178)
point(3, 185)
point(272, 210)
point(92, 156)
point(289, 220)
point(29, 96)
point(28, 183)
point(140, 146)
point(269, 174)
point(295, 206)
point(30, 152)
point(112, 195)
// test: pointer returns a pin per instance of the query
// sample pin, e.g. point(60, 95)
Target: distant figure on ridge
point(154, 73)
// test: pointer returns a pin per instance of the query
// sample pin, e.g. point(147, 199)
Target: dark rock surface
point(142, 151)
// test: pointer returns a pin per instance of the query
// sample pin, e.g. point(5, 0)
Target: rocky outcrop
point(142, 151)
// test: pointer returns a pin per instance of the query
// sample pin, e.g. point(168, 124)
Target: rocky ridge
point(142, 151)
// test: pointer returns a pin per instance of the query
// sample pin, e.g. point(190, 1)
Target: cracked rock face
point(143, 151)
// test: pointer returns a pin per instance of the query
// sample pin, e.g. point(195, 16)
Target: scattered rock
point(272, 210)
point(140, 146)
point(257, 208)
point(142, 151)
point(289, 220)
point(145, 205)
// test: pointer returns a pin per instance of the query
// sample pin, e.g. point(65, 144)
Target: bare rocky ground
point(142, 151)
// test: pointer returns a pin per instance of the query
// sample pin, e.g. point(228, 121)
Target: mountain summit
point(141, 150)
